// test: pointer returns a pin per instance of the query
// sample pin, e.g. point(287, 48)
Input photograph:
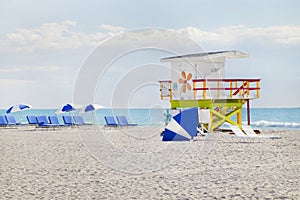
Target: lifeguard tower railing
point(234, 88)
point(224, 97)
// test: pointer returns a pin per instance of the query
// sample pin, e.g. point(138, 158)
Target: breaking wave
point(264, 123)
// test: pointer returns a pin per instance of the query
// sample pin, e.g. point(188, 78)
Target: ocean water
point(274, 118)
point(263, 118)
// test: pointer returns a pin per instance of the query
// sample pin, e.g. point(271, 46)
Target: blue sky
point(44, 43)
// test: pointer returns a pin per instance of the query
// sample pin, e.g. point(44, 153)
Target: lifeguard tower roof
point(208, 55)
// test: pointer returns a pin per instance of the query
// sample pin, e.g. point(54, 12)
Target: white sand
point(133, 163)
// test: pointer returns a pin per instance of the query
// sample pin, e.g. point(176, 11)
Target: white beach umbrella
point(18, 108)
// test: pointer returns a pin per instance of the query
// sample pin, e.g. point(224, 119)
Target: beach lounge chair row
point(8, 120)
point(121, 121)
point(52, 121)
point(74, 120)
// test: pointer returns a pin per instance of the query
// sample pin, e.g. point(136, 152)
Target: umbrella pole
point(94, 115)
point(73, 122)
point(20, 117)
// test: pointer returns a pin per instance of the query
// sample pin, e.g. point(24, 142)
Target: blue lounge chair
point(3, 121)
point(11, 120)
point(54, 121)
point(44, 122)
point(68, 120)
point(110, 121)
point(32, 120)
point(79, 121)
point(122, 121)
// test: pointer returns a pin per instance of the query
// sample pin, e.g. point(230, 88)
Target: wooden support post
point(231, 89)
point(248, 86)
point(258, 90)
point(248, 112)
point(224, 118)
point(195, 91)
point(239, 118)
point(170, 84)
point(219, 90)
point(236, 85)
point(160, 85)
point(242, 91)
point(211, 121)
point(204, 91)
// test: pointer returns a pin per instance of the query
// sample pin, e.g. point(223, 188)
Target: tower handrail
point(244, 88)
point(238, 86)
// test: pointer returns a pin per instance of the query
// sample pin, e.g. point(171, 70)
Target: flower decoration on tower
point(185, 82)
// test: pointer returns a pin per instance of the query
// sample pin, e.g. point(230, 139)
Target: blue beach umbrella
point(18, 108)
point(183, 126)
point(67, 108)
point(91, 107)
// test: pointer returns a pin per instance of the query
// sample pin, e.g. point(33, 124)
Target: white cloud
point(23, 68)
point(289, 35)
point(50, 36)
point(16, 82)
point(61, 35)
point(111, 28)
point(40, 73)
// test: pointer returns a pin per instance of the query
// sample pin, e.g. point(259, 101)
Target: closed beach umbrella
point(67, 108)
point(18, 107)
point(183, 126)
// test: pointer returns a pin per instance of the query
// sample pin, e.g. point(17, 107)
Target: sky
point(44, 44)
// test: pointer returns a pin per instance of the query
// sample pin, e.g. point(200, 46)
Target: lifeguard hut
point(198, 80)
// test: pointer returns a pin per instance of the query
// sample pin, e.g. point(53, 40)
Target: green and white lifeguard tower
point(198, 80)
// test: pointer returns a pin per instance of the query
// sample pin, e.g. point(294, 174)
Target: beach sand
point(133, 163)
